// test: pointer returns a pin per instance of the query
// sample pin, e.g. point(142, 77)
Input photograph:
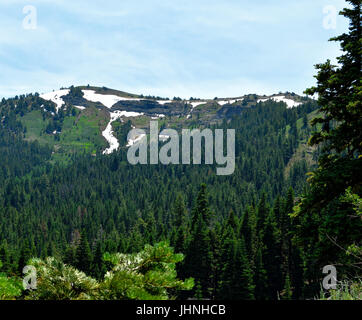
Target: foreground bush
point(344, 291)
point(147, 275)
point(10, 288)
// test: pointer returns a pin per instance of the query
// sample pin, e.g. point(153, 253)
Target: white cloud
point(166, 48)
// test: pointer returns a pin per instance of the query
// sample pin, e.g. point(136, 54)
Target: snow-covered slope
point(195, 104)
point(107, 100)
point(56, 97)
point(230, 101)
point(108, 132)
point(290, 103)
point(162, 102)
point(156, 109)
point(80, 107)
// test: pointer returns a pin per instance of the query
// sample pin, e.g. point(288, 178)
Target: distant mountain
point(97, 119)
point(57, 187)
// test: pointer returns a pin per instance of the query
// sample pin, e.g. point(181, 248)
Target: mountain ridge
point(94, 119)
point(125, 96)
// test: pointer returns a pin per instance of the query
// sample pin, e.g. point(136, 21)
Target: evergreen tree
point(248, 232)
point(202, 207)
point(236, 281)
point(322, 217)
point(84, 254)
point(5, 259)
point(271, 257)
point(287, 292)
point(99, 266)
point(199, 256)
point(70, 255)
point(25, 255)
point(180, 234)
point(260, 277)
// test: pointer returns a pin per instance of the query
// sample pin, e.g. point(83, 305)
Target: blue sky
point(199, 48)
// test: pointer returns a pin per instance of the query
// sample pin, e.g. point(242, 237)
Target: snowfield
point(290, 103)
point(195, 104)
point(223, 102)
point(55, 97)
point(128, 114)
point(108, 100)
point(220, 102)
point(80, 107)
point(163, 101)
point(108, 132)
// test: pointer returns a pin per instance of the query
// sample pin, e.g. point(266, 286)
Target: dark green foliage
point(226, 229)
point(147, 275)
point(83, 255)
point(326, 225)
point(339, 91)
point(236, 280)
point(76, 92)
point(10, 287)
point(199, 254)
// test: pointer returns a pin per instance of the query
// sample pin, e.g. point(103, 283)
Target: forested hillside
point(96, 227)
point(50, 208)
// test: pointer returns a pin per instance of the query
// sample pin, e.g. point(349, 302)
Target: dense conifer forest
point(113, 230)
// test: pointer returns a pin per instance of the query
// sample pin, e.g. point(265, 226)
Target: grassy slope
point(304, 151)
point(83, 132)
point(35, 125)
point(80, 133)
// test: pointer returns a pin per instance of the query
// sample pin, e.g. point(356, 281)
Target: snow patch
point(229, 101)
point(80, 107)
point(163, 101)
point(195, 104)
point(263, 100)
point(223, 102)
point(128, 114)
point(289, 102)
point(55, 97)
point(108, 100)
point(108, 132)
